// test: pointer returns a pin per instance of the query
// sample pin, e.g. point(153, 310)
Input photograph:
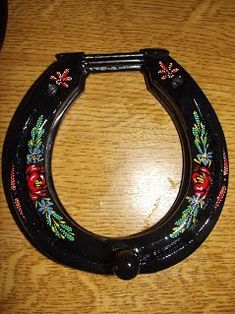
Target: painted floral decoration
point(62, 79)
point(201, 179)
point(37, 186)
point(36, 182)
point(167, 71)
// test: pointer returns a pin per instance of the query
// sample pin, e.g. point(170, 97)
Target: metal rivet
point(52, 89)
point(177, 81)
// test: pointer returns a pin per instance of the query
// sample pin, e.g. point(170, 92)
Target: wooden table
point(117, 158)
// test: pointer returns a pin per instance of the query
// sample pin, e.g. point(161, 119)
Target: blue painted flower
point(45, 206)
point(35, 155)
point(195, 201)
point(205, 158)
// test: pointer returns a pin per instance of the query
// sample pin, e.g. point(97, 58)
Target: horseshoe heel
point(31, 194)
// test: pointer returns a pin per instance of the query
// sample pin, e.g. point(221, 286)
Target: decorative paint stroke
point(225, 158)
point(13, 182)
point(14, 192)
point(167, 71)
point(201, 179)
point(19, 208)
point(37, 186)
point(61, 79)
point(223, 189)
point(221, 195)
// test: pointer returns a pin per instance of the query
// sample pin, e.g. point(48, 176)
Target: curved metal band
point(28, 180)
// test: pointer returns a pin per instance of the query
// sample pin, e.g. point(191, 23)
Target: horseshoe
point(29, 187)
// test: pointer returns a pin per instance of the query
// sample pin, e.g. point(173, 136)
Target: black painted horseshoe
point(28, 180)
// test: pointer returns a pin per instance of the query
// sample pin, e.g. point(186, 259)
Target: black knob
point(126, 264)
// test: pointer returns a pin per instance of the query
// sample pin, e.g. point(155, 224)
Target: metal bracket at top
point(132, 61)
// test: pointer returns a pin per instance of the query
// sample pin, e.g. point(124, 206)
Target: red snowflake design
point(61, 79)
point(167, 71)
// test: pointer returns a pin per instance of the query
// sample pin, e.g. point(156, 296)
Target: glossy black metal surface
point(28, 180)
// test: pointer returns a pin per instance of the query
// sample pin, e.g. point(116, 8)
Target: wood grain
point(117, 158)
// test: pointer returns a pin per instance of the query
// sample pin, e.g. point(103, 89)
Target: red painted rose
point(201, 178)
point(36, 182)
